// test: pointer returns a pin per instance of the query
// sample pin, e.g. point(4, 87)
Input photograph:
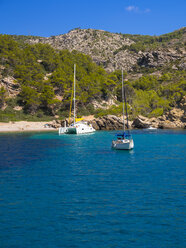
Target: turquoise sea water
point(76, 192)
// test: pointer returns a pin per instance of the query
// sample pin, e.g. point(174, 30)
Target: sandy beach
point(20, 126)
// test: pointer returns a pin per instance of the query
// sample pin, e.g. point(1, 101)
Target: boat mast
point(74, 93)
point(126, 109)
point(123, 104)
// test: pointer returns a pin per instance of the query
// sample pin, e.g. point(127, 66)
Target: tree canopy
point(45, 77)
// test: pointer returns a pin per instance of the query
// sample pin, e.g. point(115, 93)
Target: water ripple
point(75, 191)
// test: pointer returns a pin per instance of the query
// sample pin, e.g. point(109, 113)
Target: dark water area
point(75, 191)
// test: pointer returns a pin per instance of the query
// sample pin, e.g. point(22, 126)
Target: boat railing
point(124, 135)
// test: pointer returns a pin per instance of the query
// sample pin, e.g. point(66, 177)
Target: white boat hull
point(152, 128)
point(78, 128)
point(124, 144)
point(62, 130)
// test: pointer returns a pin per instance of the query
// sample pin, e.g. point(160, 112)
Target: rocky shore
point(174, 119)
point(111, 122)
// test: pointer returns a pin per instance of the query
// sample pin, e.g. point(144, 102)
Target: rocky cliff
point(116, 51)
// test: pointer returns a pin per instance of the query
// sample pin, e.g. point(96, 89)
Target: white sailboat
point(78, 126)
point(124, 141)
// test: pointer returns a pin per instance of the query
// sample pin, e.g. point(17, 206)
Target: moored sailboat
point(78, 126)
point(124, 140)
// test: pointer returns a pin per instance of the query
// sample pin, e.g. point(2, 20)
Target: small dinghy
point(152, 128)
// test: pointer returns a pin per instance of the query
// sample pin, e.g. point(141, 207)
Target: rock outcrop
point(112, 50)
point(158, 58)
point(174, 119)
point(10, 85)
point(99, 44)
point(109, 122)
point(141, 122)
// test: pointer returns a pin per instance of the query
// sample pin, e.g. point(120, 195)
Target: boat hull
point(71, 130)
point(78, 128)
point(62, 130)
point(123, 144)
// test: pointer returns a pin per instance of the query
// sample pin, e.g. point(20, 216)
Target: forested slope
point(36, 83)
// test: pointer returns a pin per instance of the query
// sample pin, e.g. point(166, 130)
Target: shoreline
point(25, 126)
point(29, 126)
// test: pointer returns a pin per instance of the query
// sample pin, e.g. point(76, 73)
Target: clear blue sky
point(54, 17)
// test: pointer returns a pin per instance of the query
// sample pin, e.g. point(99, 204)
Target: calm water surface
point(75, 191)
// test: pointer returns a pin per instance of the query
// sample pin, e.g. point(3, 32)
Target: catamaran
point(124, 140)
point(79, 126)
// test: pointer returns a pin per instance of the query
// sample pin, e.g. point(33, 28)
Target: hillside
point(36, 74)
point(115, 51)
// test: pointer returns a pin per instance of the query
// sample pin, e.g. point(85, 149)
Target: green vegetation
point(13, 115)
point(150, 96)
point(45, 75)
point(147, 43)
point(155, 95)
point(2, 97)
